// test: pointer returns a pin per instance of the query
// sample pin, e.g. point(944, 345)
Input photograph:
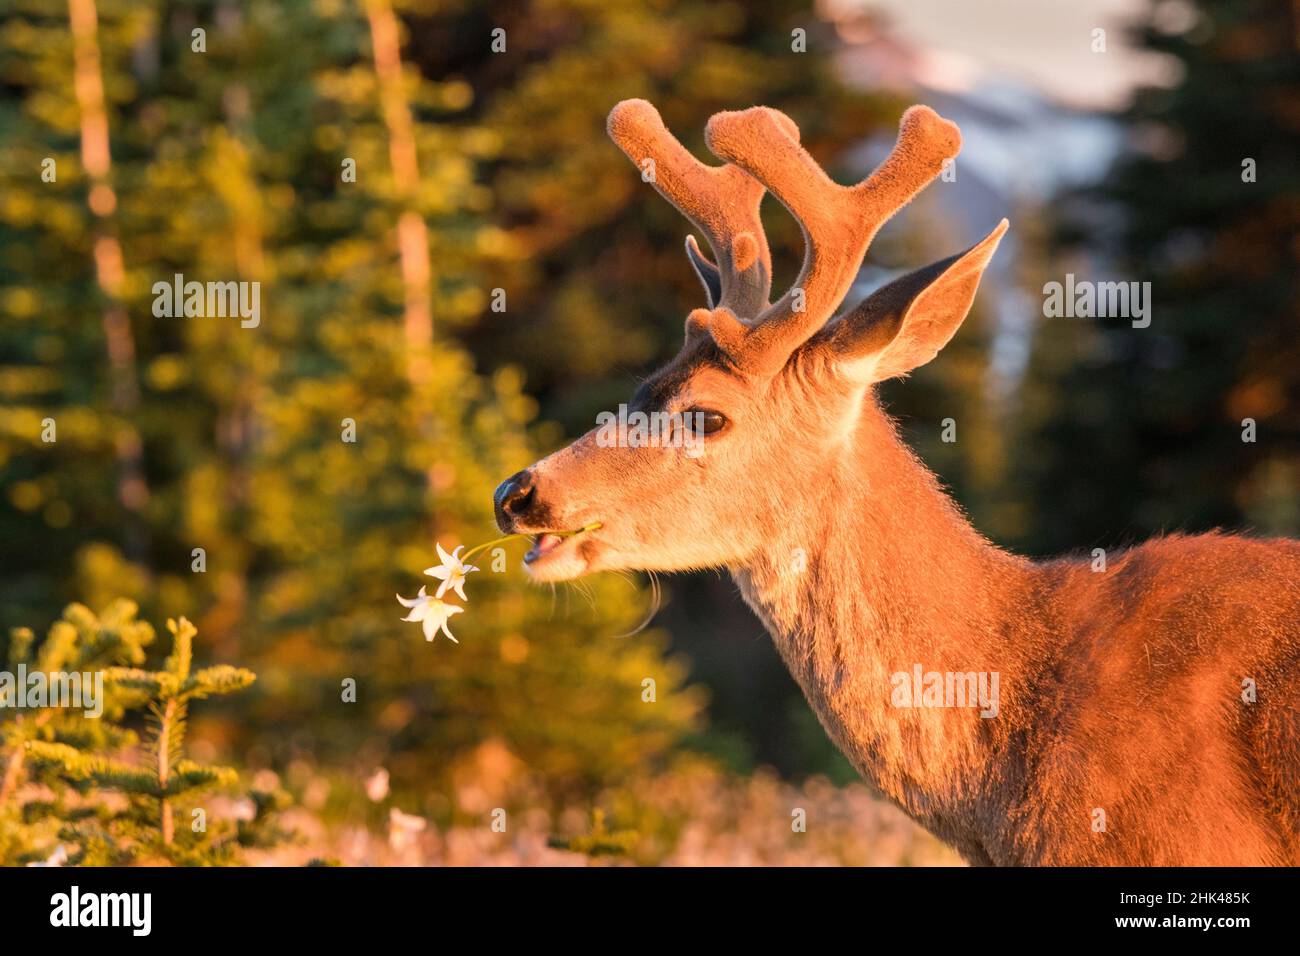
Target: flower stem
point(477, 548)
point(563, 534)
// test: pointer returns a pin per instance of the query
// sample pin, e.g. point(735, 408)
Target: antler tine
point(838, 222)
point(721, 201)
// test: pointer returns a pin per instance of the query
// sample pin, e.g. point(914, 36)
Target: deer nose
point(514, 497)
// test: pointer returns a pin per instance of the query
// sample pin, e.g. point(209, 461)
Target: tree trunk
point(96, 157)
point(412, 233)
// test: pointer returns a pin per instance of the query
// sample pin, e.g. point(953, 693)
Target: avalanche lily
point(431, 613)
point(451, 572)
point(430, 610)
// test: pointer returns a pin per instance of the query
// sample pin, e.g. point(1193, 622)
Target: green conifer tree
point(78, 755)
point(1140, 431)
point(297, 476)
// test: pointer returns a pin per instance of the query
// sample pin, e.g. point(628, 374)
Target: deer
point(1147, 712)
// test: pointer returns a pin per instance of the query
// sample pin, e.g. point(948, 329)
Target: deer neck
point(881, 576)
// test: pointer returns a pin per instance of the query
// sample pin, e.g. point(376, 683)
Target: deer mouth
point(543, 544)
point(546, 543)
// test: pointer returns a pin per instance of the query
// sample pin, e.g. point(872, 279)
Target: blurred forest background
point(231, 163)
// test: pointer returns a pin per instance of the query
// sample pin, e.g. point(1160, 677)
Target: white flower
point(430, 612)
point(451, 572)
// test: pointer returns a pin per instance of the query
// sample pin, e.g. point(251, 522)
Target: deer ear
point(706, 270)
point(905, 323)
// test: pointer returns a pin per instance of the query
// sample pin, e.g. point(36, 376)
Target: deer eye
point(705, 421)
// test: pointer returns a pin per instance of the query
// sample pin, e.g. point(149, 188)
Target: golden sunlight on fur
point(1147, 710)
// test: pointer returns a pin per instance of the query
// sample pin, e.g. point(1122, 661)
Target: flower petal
point(419, 613)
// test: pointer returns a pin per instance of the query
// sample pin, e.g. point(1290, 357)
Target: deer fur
point(1122, 694)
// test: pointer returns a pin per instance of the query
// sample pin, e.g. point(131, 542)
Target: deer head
point(766, 400)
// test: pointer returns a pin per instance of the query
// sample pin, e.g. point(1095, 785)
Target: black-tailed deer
point(1027, 713)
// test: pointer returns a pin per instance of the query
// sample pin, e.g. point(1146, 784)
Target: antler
point(838, 222)
point(721, 201)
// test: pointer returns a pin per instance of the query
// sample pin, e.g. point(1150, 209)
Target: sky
point(1045, 43)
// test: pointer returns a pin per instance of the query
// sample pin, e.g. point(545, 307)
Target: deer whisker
point(656, 602)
